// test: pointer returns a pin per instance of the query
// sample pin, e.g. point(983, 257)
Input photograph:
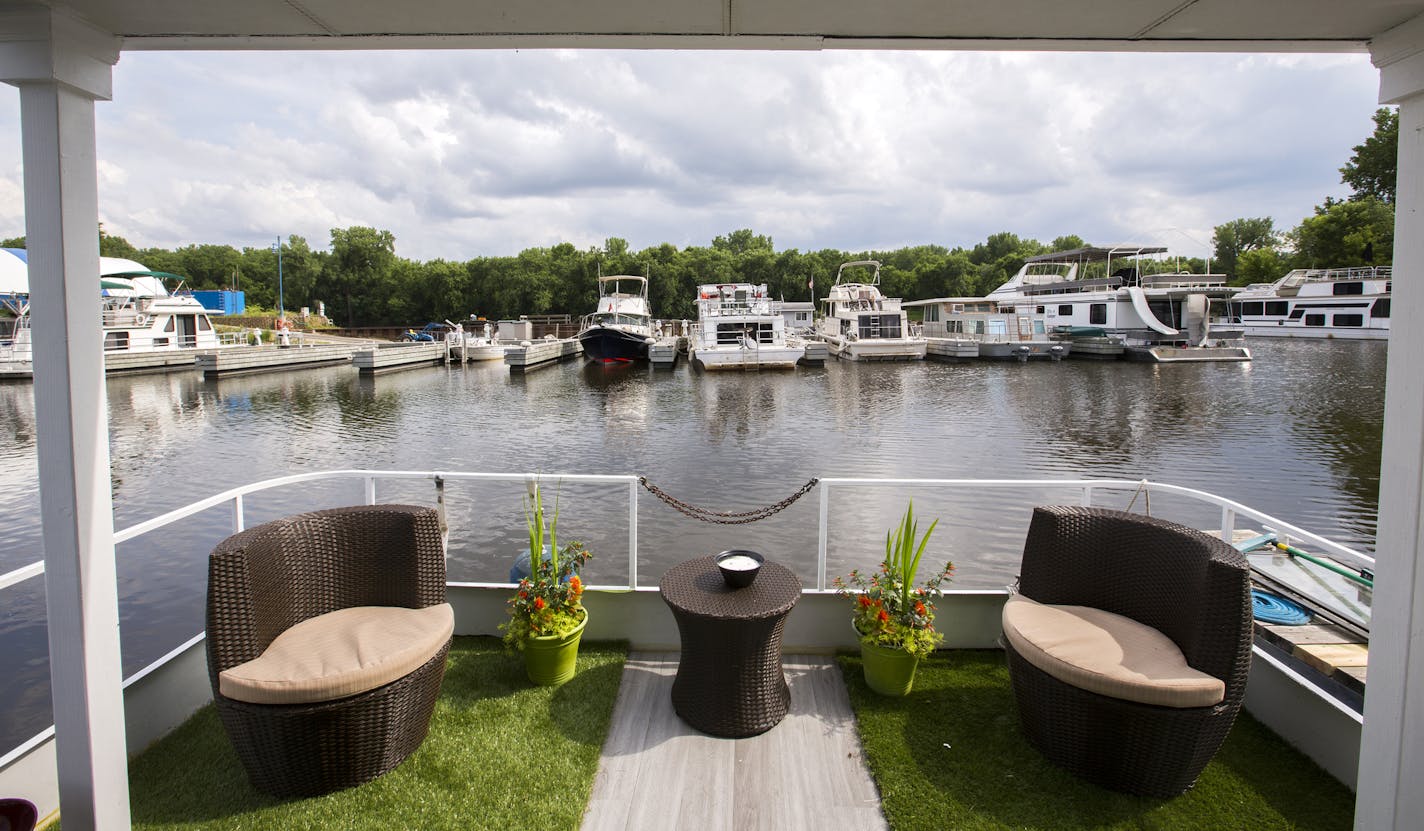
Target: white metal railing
point(1231, 511)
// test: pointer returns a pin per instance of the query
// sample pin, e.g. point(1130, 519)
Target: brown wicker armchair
point(1189, 587)
point(343, 583)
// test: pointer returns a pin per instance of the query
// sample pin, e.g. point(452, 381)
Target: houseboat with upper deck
point(1164, 317)
point(739, 326)
point(1349, 303)
point(621, 329)
point(861, 324)
point(140, 316)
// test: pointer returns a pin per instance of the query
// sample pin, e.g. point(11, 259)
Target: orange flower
point(576, 585)
point(864, 601)
point(538, 603)
point(524, 594)
point(919, 608)
point(884, 616)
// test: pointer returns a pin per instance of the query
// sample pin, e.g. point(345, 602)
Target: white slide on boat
point(1139, 305)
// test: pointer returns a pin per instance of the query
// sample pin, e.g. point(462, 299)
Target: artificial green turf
point(950, 755)
point(501, 753)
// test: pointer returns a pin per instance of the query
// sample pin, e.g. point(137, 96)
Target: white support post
point(823, 536)
point(62, 66)
point(1392, 749)
point(633, 535)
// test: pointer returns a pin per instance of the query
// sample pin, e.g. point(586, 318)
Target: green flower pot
point(888, 670)
point(550, 660)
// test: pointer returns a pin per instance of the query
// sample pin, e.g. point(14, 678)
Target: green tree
point(742, 242)
point(1372, 171)
point(1259, 265)
point(1345, 234)
point(13, 242)
point(1234, 238)
point(112, 246)
point(361, 259)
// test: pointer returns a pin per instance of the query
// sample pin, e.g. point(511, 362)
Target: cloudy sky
point(462, 154)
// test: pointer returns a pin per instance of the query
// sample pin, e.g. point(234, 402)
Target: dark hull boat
point(609, 343)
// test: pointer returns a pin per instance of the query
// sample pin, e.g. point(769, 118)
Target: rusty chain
point(725, 517)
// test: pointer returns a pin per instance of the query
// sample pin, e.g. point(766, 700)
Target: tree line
point(364, 283)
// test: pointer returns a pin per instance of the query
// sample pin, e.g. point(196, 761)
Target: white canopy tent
point(61, 54)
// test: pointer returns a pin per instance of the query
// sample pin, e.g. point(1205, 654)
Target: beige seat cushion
point(340, 653)
point(1107, 654)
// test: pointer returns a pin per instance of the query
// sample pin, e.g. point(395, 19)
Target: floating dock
point(250, 360)
point(531, 355)
point(395, 357)
point(962, 349)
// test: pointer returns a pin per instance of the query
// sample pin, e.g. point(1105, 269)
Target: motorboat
point(621, 327)
point(740, 327)
point(476, 346)
point(1166, 317)
point(860, 323)
point(1349, 303)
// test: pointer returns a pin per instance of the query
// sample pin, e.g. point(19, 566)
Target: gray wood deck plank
point(658, 773)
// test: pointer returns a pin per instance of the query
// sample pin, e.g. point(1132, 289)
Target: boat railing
point(1320, 275)
point(1083, 490)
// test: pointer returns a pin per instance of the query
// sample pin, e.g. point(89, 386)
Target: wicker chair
point(1190, 587)
point(267, 579)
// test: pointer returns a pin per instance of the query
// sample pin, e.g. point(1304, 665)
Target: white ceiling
point(1305, 25)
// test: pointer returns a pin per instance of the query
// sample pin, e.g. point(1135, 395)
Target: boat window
point(1066, 310)
point(171, 325)
point(1349, 288)
point(932, 313)
point(976, 327)
point(1381, 308)
point(1038, 328)
point(1098, 313)
point(1040, 310)
point(115, 341)
point(1253, 308)
point(1315, 320)
point(1295, 315)
point(1278, 308)
point(204, 325)
point(1349, 320)
point(998, 327)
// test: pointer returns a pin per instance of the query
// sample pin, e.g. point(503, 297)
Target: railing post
point(239, 522)
point(823, 536)
point(370, 490)
point(1228, 524)
point(633, 534)
point(1087, 499)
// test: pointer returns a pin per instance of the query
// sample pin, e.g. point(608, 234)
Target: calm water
point(1296, 433)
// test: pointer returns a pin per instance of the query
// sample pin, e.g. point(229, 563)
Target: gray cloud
point(468, 153)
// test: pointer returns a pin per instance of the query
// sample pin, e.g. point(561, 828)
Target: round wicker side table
point(729, 678)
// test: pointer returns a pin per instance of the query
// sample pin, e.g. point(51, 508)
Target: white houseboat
point(621, 329)
point(1350, 303)
point(140, 317)
point(740, 327)
point(861, 324)
point(1163, 317)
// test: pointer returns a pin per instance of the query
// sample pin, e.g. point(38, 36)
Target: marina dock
point(249, 360)
point(535, 354)
point(394, 357)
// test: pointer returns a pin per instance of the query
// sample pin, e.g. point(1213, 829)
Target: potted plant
point(894, 618)
point(547, 617)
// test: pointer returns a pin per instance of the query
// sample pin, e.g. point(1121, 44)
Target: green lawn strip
point(501, 753)
point(950, 755)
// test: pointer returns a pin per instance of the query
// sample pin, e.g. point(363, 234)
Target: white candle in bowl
point(738, 562)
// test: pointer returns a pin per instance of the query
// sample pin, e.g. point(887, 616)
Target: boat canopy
point(132, 277)
point(1097, 253)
